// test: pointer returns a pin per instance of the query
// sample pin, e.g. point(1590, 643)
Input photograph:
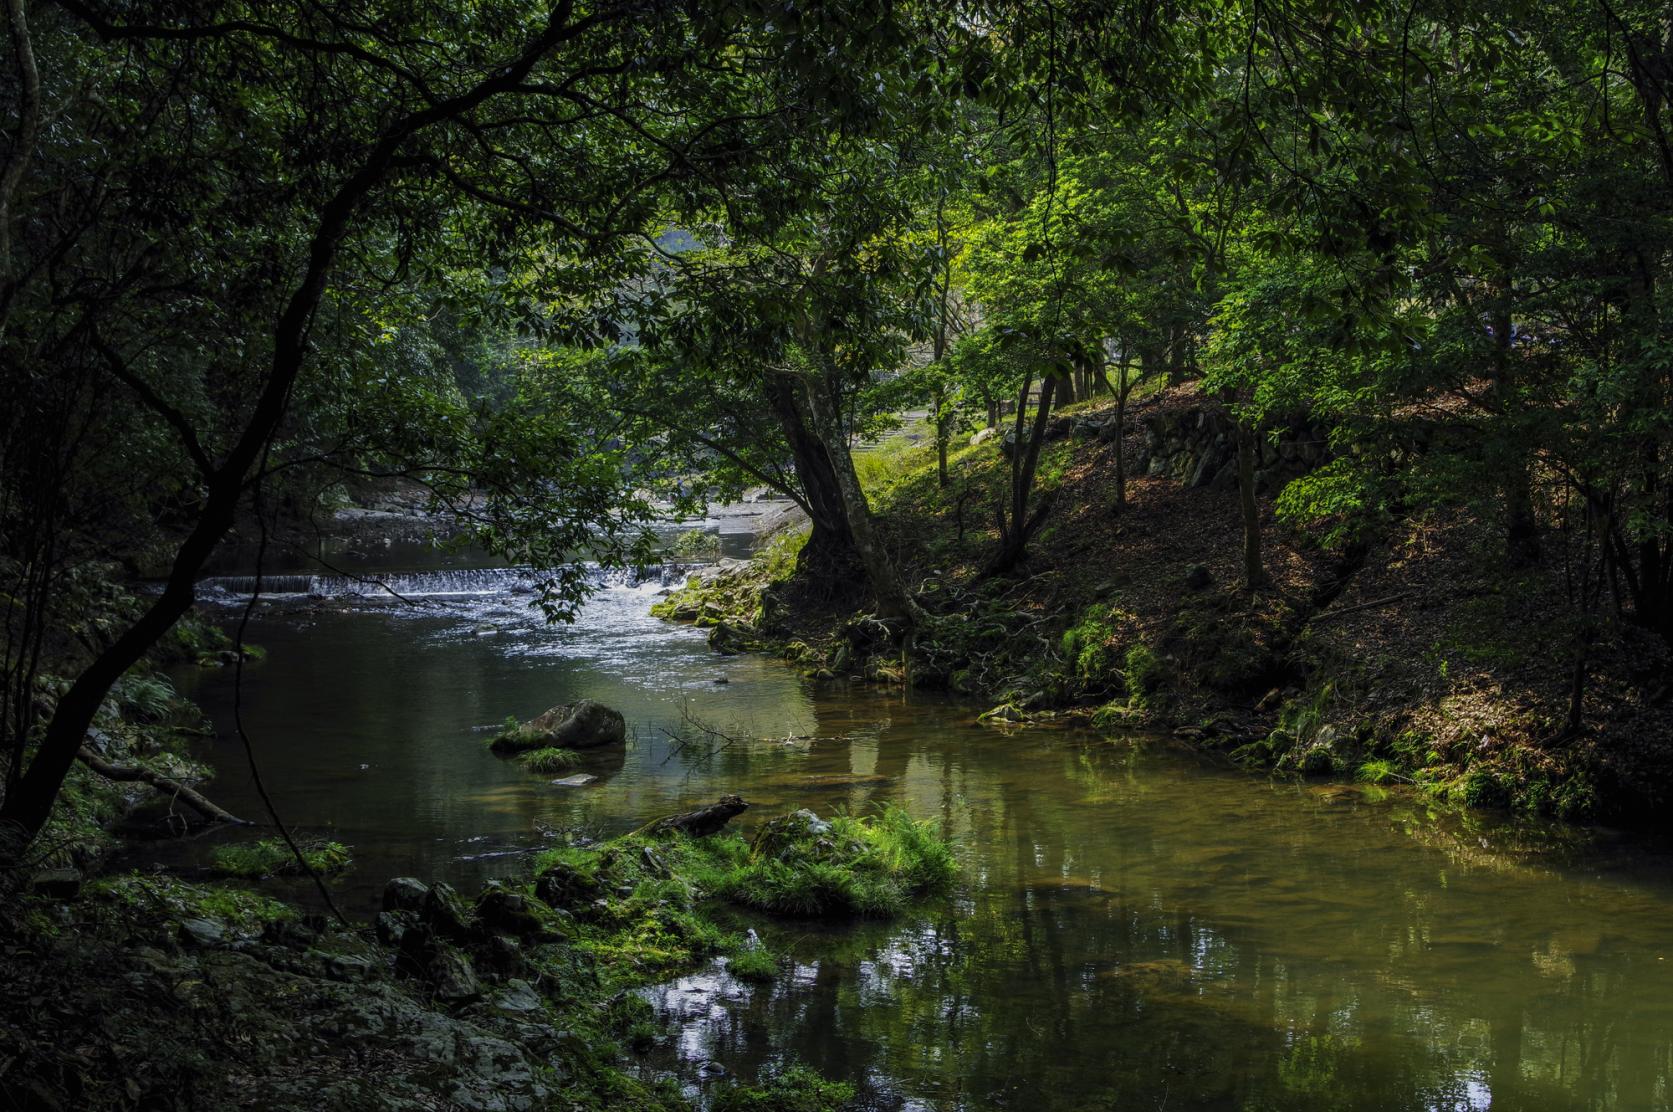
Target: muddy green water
point(1139, 928)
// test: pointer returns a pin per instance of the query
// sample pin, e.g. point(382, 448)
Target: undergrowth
point(272, 857)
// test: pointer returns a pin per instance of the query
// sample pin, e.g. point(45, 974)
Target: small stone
point(576, 780)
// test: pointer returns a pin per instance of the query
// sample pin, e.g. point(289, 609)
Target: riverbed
point(1139, 927)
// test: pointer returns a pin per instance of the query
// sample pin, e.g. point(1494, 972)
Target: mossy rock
point(583, 725)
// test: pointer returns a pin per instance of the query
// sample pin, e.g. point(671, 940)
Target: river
point(1139, 927)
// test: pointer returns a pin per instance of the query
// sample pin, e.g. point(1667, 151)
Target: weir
point(440, 583)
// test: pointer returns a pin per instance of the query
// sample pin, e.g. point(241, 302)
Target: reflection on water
point(1139, 929)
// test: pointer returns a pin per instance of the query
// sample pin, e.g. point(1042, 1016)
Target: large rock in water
point(583, 725)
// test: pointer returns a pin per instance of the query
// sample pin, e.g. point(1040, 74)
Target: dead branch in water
point(170, 787)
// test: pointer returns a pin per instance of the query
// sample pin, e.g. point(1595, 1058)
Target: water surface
point(1139, 928)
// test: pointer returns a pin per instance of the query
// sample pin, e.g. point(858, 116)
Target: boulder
point(202, 932)
point(443, 967)
point(566, 886)
point(57, 884)
point(446, 913)
point(507, 912)
point(983, 436)
point(518, 998)
point(1197, 576)
point(404, 893)
point(583, 725)
point(392, 926)
point(725, 640)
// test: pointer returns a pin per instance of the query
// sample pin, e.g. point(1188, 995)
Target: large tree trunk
point(829, 551)
point(1254, 571)
point(821, 414)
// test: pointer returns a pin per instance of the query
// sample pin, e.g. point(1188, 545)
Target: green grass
point(272, 857)
point(756, 966)
point(148, 698)
point(862, 867)
point(550, 760)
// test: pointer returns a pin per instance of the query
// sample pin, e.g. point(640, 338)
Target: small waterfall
point(446, 583)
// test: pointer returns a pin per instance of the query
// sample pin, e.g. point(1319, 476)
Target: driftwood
point(703, 821)
point(173, 788)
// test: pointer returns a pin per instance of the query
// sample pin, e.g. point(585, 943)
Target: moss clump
point(272, 857)
point(1147, 676)
point(801, 866)
point(636, 901)
point(794, 1090)
point(756, 966)
point(150, 898)
point(549, 760)
point(1090, 647)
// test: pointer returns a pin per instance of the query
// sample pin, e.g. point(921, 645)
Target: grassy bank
point(1409, 656)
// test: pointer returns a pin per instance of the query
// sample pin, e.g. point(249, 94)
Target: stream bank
point(1408, 656)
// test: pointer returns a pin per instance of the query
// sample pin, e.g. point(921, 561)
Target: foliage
point(795, 1089)
point(272, 857)
point(754, 965)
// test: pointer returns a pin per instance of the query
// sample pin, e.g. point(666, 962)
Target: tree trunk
point(1121, 391)
point(822, 416)
point(829, 550)
point(1254, 572)
point(943, 433)
point(1016, 527)
point(1521, 524)
point(702, 822)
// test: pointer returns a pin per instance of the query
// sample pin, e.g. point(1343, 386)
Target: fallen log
point(701, 822)
point(1331, 615)
point(173, 788)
